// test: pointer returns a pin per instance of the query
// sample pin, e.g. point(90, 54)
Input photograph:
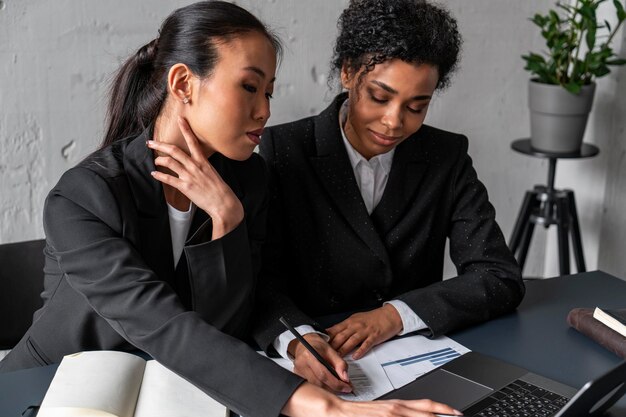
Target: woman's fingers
point(171, 150)
point(434, 407)
point(307, 366)
point(366, 329)
point(366, 346)
point(170, 163)
point(348, 344)
point(199, 181)
point(167, 179)
point(410, 408)
point(346, 336)
point(337, 328)
point(191, 140)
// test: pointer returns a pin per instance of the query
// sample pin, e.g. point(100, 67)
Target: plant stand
point(545, 205)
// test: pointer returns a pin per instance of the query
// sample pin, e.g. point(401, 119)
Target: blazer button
point(378, 296)
point(333, 300)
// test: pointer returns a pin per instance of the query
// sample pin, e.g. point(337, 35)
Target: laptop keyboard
point(518, 399)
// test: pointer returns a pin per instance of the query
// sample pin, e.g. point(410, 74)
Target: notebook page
point(165, 394)
point(98, 383)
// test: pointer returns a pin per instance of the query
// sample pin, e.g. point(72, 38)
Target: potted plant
point(562, 86)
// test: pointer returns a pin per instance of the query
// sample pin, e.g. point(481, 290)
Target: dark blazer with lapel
point(110, 281)
point(325, 254)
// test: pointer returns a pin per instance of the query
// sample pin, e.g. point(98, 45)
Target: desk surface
point(538, 338)
point(535, 337)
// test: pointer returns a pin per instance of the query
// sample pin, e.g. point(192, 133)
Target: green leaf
point(554, 17)
point(568, 8)
point(539, 20)
point(573, 88)
point(534, 58)
point(590, 38)
point(621, 13)
point(587, 12)
point(601, 71)
point(563, 30)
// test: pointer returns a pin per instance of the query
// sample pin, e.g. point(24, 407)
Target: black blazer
point(326, 255)
point(110, 281)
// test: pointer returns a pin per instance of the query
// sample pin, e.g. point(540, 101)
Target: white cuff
point(410, 321)
point(281, 343)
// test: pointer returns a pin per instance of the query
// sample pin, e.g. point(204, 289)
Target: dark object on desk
point(582, 320)
point(545, 205)
point(481, 385)
point(309, 347)
point(21, 283)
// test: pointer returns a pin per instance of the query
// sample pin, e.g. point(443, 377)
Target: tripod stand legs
point(562, 223)
point(547, 207)
point(577, 243)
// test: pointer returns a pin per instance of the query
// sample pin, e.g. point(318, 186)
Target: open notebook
point(118, 384)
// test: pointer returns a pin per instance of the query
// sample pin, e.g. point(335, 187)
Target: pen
point(309, 347)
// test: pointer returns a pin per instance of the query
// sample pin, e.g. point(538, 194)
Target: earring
point(186, 100)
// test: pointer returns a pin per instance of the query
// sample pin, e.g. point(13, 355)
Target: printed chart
point(406, 359)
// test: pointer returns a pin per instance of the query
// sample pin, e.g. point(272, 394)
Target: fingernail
point(149, 143)
point(458, 413)
point(346, 390)
point(345, 376)
point(153, 173)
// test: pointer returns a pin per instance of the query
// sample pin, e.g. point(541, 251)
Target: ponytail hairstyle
point(189, 35)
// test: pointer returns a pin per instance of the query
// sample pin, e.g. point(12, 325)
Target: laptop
point(480, 385)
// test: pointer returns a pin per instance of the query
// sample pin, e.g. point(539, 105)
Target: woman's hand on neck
point(167, 130)
point(188, 176)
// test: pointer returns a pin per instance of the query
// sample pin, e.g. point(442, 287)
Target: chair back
point(21, 283)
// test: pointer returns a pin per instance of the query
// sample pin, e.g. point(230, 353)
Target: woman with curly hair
point(364, 196)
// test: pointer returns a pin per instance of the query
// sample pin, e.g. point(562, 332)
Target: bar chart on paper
point(406, 359)
point(438, 357)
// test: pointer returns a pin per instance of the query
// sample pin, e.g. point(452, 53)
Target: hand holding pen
point(317, 362)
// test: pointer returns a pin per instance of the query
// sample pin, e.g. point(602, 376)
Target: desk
point(536, 337)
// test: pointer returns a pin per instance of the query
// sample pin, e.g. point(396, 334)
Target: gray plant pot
point(557, 117)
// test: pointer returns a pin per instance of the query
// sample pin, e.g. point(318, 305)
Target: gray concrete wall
point(612, 252)
point(55, 59)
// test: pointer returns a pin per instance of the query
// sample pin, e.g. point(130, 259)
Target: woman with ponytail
point(153, 240)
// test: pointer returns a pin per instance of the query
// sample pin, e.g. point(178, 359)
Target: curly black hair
point(416, 31)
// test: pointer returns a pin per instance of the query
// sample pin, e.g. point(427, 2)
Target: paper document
point(408, 358)
point(393, 364)
point(368, 379)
